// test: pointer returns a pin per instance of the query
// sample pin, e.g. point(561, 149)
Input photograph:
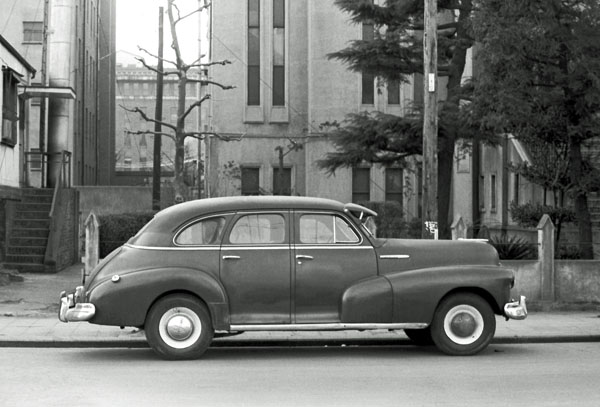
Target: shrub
point(115, 230)
point(568, 253)
point(513, 248)
point(529, 214)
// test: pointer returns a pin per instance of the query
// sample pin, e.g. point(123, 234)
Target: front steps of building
point(28, 238)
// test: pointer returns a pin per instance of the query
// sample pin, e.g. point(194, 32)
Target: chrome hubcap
point(180, 327)
point(463, 324)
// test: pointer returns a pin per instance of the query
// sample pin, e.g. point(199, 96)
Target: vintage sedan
point(229, 265)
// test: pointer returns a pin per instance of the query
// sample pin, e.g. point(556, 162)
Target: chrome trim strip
point(329, 247)
point(257, 247)
point(326, 327)
point(394, 256)
point(179, 248)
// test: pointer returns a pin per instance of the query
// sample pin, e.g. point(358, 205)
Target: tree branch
point(148, 119)
point(156, 56)
point(207, 82)
point(200, 135)
point(154, 133)
point(194, 105)
point(154, 69)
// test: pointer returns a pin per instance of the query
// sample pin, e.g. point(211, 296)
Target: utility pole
point(430, 123)
point(156, 162)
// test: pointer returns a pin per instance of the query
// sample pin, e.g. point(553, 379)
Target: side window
point(204, 232)
point(258, 229)
point(324, 229)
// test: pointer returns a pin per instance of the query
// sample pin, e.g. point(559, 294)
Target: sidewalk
point(28, 317)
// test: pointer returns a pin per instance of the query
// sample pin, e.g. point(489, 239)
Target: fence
point(546, 279)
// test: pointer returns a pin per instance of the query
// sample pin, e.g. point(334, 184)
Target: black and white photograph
point(300, 203)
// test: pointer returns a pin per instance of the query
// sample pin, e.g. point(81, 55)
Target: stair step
point(26, 267)
point(26, 250)
point(25, 259)
point(37, 206)
point(32, 215)
point(30, 233)
point(38, 192)
point(32, 223)
point(28, 241)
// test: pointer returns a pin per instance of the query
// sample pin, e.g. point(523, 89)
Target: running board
point(325, 327)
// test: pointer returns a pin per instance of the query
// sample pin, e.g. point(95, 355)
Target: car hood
point(411, 254)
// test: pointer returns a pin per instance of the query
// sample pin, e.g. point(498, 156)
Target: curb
point(279, 343)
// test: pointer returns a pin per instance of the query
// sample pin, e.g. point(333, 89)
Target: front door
point(330, 255)
point(256, 268)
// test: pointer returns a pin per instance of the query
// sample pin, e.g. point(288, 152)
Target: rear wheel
point(463, 324)
point(179, 327)
point(420, 337)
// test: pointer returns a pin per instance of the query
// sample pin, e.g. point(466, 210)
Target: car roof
point(159, 230)
point(238, 203)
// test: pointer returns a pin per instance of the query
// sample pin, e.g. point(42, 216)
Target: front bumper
point(516, 309)
point(71, 310)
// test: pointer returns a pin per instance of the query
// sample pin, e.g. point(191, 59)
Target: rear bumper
point(73, 311)
point(516, 309)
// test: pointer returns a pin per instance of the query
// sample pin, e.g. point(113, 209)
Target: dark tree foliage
point(539, 79)
point(396, 53)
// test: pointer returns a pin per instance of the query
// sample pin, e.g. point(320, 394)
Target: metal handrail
point(43, 158)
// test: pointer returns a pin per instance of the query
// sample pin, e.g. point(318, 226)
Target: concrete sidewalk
point(28, 317)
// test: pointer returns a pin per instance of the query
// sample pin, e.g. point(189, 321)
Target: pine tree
point(539, 80)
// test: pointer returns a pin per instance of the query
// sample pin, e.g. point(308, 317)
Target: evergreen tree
point(539, 79)
point(395, 53)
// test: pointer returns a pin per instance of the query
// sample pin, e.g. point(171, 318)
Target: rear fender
point(127, 301)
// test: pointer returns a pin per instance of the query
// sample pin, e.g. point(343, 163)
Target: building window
point(393, 89)
point(10, 106)
point(368, 79)
point(253, 52)
point(35, 159)
point(250, 181)
point(393, 185)
point(283, 185)
point(278, 52)
point(493, 199)
point(482, 192)
point(516, 186)
point(361, 184)
point(33, 32)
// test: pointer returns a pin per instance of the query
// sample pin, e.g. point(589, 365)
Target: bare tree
point(182, 70)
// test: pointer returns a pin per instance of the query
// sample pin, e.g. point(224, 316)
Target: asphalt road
point(503, 375)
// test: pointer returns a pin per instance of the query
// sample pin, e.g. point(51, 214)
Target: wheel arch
point(481, 292)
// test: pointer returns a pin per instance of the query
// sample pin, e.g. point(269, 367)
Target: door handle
point(231, 257)
point(303, 257)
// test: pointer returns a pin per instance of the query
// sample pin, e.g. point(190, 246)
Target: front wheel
point(463, 324)
point(179, 327)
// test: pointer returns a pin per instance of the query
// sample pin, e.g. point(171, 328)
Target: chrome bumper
point(73, 311)
point(516, 309)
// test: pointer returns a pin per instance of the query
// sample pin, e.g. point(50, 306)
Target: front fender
point(368, 301)
point(416, 293)
point(127, 301)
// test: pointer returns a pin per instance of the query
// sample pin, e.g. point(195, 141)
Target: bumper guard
point(70, 311)
point(516, 309)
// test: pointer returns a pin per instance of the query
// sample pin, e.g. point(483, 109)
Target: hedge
point(390, 220)
point(116, 230)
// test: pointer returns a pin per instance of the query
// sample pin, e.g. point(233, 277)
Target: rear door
point(330, 255)
point(256, 268)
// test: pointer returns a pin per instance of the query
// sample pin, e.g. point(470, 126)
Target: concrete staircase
point(28, 239)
